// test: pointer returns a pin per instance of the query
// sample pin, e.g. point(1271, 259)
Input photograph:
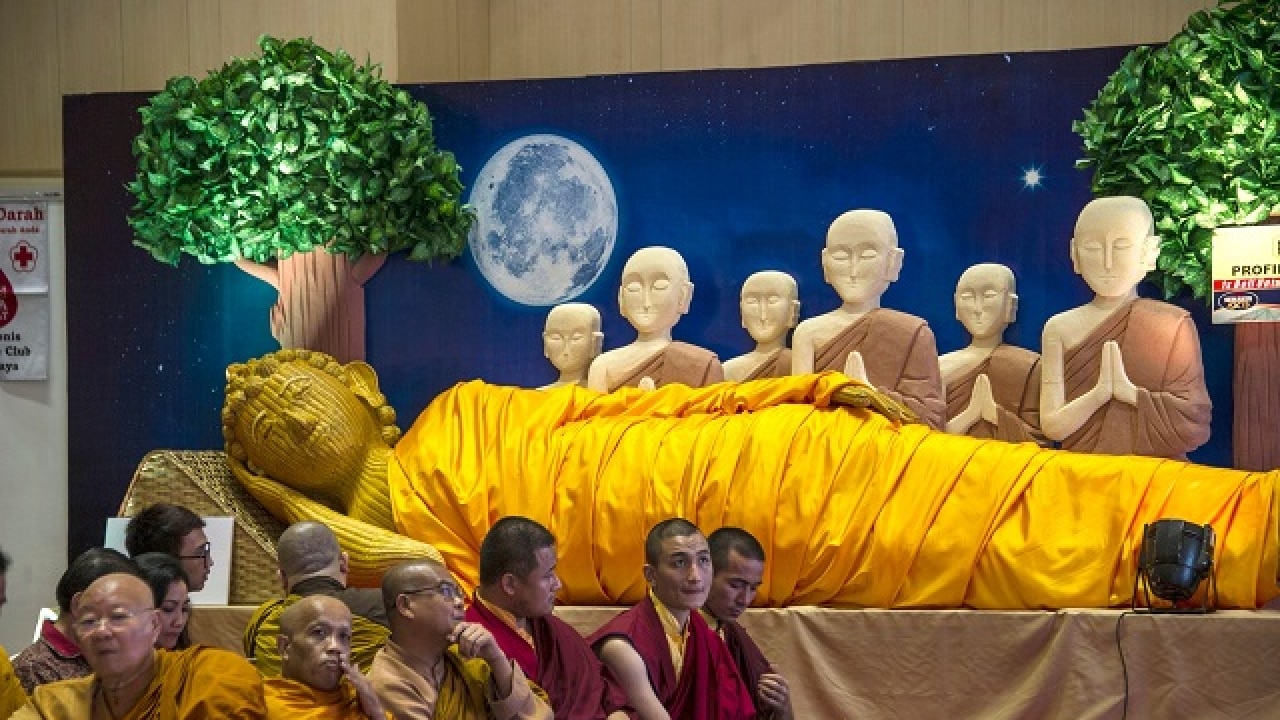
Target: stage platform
point(993, 665)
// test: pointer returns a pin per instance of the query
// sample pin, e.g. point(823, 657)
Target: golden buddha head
point(300, 417)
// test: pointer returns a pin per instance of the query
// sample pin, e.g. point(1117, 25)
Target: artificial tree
point(305, 170)
point(1193, 128)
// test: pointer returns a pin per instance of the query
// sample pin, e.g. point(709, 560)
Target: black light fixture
point(1174, 559)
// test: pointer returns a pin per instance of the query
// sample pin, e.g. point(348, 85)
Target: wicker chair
point(201, 481)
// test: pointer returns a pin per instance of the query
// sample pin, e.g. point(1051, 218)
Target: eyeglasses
point(116, 621)
point(202, 553)
point(445, 589)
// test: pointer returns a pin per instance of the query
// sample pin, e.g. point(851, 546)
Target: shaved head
point(314, 641)
point(407, 577)
point(116, 626)
point(306, 549)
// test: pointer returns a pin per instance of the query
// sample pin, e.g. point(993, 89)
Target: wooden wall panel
point(557, 38)
point(31, 115)
point(936, 27)
point(155, 44)
point(90, 57)
point(51, 47)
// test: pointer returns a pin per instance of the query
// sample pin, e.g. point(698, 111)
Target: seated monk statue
point(892, 351)
point(770, 306)
point(571, 339)
point(1122, 374)
point(857, 506)
point(655, 292)
point(993, 389)
point(116, 626)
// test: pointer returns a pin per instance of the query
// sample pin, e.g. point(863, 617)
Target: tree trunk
point(321, 301)
point(1255, 429)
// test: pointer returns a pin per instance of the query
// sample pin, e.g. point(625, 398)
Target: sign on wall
point(1246, 274)
point(24, 291)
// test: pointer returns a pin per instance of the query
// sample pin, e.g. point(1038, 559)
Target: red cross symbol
point(23, 256)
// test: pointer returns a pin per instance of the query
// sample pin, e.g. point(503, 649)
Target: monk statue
point(655, 292)
point(770, 306)
point(993, 389)
point(571, 339)
point(1122, 374)
point(893, 351)
point(860, 505)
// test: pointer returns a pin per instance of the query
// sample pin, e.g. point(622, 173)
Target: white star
point(1031, 177)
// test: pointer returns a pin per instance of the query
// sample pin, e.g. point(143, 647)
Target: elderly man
point(312, 563)
point(517, 593)
point(55, 655)
point(116, 625)
point(671, 664)
point(317, 678)
point(176, 531)
point(437, 666)
point(737, 559)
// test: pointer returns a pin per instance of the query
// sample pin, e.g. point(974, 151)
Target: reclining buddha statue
point(862, 506)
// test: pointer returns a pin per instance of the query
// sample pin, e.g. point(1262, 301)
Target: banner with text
point(1246, 274)
point(24, 291)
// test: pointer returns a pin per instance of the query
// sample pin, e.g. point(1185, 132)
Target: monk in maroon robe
point(666, 657)
point(518, 585)
point(738, 562)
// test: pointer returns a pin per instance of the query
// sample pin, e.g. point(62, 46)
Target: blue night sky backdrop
point(739, 170)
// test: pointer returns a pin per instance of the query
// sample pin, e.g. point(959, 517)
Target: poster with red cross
point(24, 290)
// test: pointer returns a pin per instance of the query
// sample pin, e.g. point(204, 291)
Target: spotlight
point(1174, 558)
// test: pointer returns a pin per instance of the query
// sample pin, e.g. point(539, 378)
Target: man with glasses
point(317, 678)
point(517, 594)
point(312, 563)
point(173, 530)
point(437, 666)
point(116, 625)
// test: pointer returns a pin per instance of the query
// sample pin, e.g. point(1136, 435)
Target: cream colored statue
point(770, 306)
point(1122, 374)
point(571, 339)
point(891, 350)
point(993, 389)
point(655, 292)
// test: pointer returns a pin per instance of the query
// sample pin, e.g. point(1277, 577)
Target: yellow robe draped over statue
point(852, 509)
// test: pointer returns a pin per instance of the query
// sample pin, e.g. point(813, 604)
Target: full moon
point(546, 220)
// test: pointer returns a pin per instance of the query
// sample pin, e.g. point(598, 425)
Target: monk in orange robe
point(317, 679)
point(117, 626)
point(1014, 377)
point(517, 593)
point(664, 655)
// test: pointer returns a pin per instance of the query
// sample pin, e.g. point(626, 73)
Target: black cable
point(1124, 669)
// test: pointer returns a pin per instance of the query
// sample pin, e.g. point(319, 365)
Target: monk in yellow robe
point(859, 509)
point(312, 563)
point(12, 696)
point(116, 625)
point(317, 678)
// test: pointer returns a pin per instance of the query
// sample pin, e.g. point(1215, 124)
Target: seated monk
point(655, 292)
point(317, 679)
point(672, 666)
point(312, 563)
point(863, 510)
point(436, 665)
point(1122, 374)
point(890, 350)
point(116, 626)
point(571, 339)
point(517, 594)
point(993, 389)
point(737, 562)
point(770, 307)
